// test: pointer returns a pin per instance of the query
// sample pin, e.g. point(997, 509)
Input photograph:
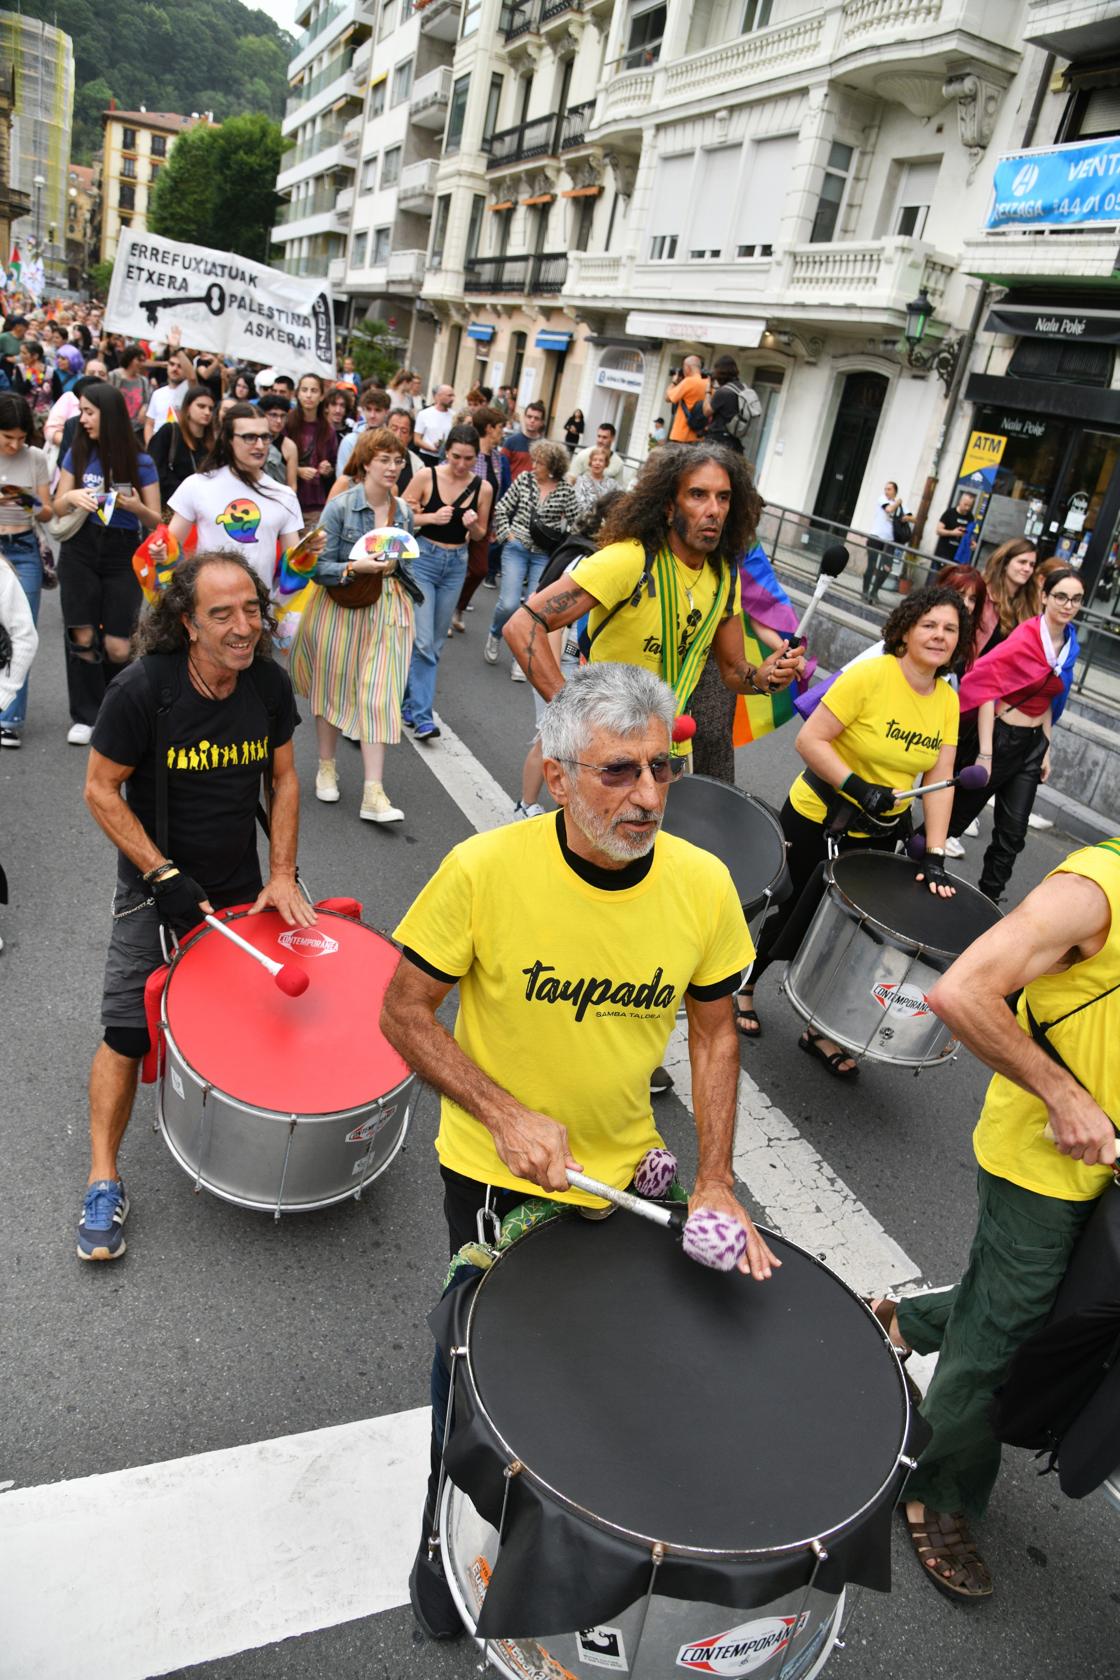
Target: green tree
point(218, 187)
point(372, 358)
point(100, 279)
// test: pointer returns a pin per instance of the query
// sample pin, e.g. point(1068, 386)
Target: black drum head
point(884, 886)
point(740, 831)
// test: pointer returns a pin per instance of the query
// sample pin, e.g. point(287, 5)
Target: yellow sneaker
point(326, 782)
point(377, 806)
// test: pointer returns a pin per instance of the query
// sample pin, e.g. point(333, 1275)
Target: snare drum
point(676, 1470)
point(273, 1102)
point(741, 832)
point(875, 947)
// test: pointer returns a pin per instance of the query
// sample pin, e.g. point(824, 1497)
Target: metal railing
point(535, 138)
point(310, 147)
point(518, 17)
point(574, 124)
point(314, 205)
point(332, 71)
point(527, 274)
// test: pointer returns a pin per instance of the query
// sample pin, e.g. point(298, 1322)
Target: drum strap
point(841, 812)
point(1040, 1031)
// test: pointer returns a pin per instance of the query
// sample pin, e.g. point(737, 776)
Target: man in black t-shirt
point(230, 714)
point(950, 528)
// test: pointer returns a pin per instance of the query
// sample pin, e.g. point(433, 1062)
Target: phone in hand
point(122, 489)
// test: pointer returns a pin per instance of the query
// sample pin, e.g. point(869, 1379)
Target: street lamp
point(942, 356)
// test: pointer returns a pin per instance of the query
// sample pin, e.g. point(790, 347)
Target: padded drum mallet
point(287, 976)
point(707, 1236)
point(833, 561)
point(972, 776)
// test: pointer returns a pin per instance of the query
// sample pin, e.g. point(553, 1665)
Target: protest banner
point(224, 303)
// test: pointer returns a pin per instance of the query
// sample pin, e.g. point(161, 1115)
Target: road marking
point(199, 1558)
point(482, 800)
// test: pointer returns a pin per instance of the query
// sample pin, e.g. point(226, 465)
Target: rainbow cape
point(764, 602)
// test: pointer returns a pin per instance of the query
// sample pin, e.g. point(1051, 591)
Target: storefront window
point(1050, 481)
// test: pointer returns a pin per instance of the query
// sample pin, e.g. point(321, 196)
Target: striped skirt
point(351, 663)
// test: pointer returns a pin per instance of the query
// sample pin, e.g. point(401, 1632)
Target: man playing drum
point(1045, 1144)
point(194, 727)
point(572, 938)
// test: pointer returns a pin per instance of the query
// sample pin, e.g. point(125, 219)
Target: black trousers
point(1017, 755)
point(880, 559)
point(806, 851)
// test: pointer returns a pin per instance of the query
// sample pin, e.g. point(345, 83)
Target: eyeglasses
point(1067, 600)
point(627, 772)
point(252, 437)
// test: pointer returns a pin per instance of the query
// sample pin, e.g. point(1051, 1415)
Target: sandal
point(754, 1029)
point(886, 1313)
point(810, 1042)
point(948, 1554)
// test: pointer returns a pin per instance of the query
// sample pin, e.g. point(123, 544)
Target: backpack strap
point(1040, 1031)
point(644, 585)
point(268, 689)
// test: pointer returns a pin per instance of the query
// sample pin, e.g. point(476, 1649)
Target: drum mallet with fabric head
point(972, 776)
point(833, 561)
point(287, 976)
point(684, 728)
point(706, 1236)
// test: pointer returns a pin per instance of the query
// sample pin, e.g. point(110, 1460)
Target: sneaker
point(427, 732)
point(80, 734)
point(10, 737)
point(1033, 821)
point(430, 1597)
point(458, 624)
point(326, 782)
point(516, 674)
point(972, 832)
point(521, 811)
point(406, 717)
point(489, 583)
point(492, 649)
point(953, 848)
point(377, 806)
point(104, 1211)
point(660, 1081)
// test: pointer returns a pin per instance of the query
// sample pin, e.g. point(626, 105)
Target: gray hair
point(619, 698)
point(552, 456)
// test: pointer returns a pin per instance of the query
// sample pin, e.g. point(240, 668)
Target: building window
point(756, 15)
point(128, 139)
point(474, 227)
point(671, 197)
point(377, 96)
point(126, 197)
point(585, 216)
point(836, 174)
point(402, 82)
point(159, 145)
point(471, 13)
point(380, 252)
point(388, 20)
point(493, 100)
point(391, 167)
point(643, 42)
point(368, 181)
point(1093, 113)
point(760, 209)
point(663, 247)
point(456, 113)
point(153, 173)
point(517, 343)
point(439, 229)
point(358, 250)
point(128, 169)
point(915, 195)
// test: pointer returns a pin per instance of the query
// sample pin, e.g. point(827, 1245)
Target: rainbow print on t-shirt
point(241, 520)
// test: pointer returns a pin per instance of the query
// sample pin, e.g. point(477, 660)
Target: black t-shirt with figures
point(218, 749)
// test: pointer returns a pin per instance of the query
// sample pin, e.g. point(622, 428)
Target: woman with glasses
point(1014, 695)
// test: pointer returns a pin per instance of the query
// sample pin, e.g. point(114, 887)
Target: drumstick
point(972, 776)
point(833, 561)
point(287, 976)
point(706, 1236)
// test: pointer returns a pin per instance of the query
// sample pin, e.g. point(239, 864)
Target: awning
point(1037, 396)
point(552, 341)
point(480, 331)
point(539, 198)
point(1042, 321)
point(581, 192)
point(744, 332)
point(506, 204)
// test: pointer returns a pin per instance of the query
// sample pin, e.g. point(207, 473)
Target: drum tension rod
point(657, 1558)
point(435, 1540)
point(820, 1555)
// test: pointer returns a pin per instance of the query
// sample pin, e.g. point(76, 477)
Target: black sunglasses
point(627, 772)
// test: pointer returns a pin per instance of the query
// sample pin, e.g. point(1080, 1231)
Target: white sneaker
point(492, 649)
point(326, 782)
point(521, 810)
point(953, 848)
point(80, 734)
point(972, 832)
point(377, 806)
point(516, 674)
point(1039, 822)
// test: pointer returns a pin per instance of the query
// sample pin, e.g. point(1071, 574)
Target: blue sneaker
point(427, 732)
point(104, 1211)
point(406, 716)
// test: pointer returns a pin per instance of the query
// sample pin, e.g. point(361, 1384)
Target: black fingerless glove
point(932, 869)
point(178, 897)
point(869, 796)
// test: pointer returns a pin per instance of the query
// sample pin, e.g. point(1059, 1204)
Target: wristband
point(753, 680)
point(154, 874)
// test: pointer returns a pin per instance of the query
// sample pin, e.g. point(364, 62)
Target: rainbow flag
point(764, 602)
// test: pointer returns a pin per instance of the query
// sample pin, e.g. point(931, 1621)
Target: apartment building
point(134, 148)
point(41, 57)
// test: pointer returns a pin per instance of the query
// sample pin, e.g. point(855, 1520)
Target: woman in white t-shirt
point(23, 474)
point(236, 507)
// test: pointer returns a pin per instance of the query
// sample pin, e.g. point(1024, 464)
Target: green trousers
point(1018, 1259)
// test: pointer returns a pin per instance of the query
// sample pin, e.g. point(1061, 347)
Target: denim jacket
point(344, 520)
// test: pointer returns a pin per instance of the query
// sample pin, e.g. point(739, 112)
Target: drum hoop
point(677, 1550)
point(758, 804)
point(915, 946)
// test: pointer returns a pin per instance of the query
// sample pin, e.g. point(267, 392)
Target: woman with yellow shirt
point(885, 723)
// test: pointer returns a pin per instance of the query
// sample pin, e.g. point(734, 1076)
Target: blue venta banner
point(1058, 186)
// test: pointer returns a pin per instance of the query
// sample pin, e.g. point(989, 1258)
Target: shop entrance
point(853, 433)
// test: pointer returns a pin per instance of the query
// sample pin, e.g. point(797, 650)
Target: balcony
point(416, 189)
point(439, 19)
point(593, 274)
point(315, 204)
point(533, 139)
point(430, 97)
point(314, 146)
point(360, 65)
point(351, 138)
point(556, 15)
point(308, 267)
point(332, 83)
point(527, 275)
point(574, 125)
point(864, 281)
point(336, 270)
point(406, 269)
point(344, 202)
point(518, 17)
point(331, 23)
point(1023, 256)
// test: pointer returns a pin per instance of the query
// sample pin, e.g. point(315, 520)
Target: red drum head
point(318, 1053)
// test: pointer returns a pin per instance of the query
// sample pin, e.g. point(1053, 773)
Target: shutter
point(713, 201)
point(770, 163)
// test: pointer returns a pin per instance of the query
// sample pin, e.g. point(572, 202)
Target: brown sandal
point(948, 1554)
point(886, 1313)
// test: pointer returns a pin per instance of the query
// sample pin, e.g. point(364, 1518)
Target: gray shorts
point(134, 953)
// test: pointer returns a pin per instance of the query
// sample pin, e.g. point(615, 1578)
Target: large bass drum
point(741, 831)
point(876, 946)
point(278, 1103)
point(654, 1467)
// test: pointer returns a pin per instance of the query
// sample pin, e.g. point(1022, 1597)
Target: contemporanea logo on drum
point(900, 1000)
point(648, 996)
point(742, 1649)
point(309, 942)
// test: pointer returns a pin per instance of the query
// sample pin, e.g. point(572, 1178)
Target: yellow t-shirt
point(891, 735)
point(568, 991)
point(633, 636)
point(1008, 1139)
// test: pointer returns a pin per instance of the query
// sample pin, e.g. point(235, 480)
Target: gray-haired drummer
point(573, 937)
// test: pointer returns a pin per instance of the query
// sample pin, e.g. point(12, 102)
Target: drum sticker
point(908, 1001)
point(741, 1649)
point(370, 1128)
point(177, 1084)
point(309, 942)
point(602, 1647)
